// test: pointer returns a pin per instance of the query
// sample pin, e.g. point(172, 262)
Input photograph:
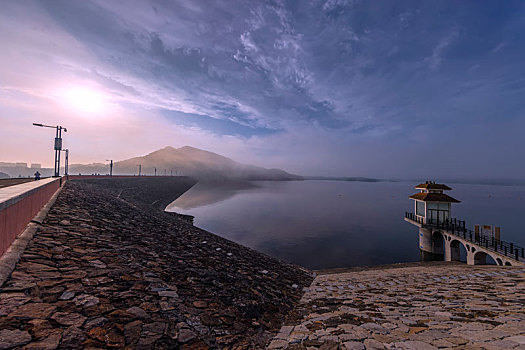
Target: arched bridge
point(443, 240)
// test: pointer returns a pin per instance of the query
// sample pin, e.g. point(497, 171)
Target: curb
point(13, 254)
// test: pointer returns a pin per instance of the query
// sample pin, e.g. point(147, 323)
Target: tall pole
point(66, 166)
point(155, 171)
point(58, 148)
point(110, 167)
point(58, 145)
point(140, 168)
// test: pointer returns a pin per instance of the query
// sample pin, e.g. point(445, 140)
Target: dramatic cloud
point(373, 88)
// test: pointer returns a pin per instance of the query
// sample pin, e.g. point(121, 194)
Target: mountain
point(198, 163)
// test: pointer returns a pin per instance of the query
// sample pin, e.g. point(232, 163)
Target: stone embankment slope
point(452, 306)
point(106, 269)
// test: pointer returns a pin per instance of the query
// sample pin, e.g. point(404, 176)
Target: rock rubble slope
point(108, 270)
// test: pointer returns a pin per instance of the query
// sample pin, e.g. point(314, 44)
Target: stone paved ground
point(445, 306)
point(104, 271)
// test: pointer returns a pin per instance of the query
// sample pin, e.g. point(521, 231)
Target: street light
point(58, 145)
point(66, 165)
point(110, 166)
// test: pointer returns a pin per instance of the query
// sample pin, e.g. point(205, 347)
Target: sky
point(390, 89)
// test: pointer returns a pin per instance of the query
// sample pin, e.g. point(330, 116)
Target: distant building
point(431, 204)
point(36, 166)
point(20, 164)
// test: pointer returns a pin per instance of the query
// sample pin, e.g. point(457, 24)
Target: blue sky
point(356, 88)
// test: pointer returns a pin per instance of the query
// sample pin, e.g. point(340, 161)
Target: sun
point(84, 100)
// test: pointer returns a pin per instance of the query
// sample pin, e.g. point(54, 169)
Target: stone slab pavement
point(425, 307)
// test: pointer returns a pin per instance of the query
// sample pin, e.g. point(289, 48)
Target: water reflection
point(325, 224)
point(206, 193)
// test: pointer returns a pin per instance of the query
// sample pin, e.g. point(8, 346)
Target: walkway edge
point(13, 254)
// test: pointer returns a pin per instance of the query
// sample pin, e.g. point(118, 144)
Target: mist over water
point(328, 224)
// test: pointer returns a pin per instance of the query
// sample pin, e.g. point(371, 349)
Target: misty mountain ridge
point(187, 161)
point(201, 164)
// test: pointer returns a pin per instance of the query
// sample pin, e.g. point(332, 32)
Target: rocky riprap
point(108, 269)
point(451, 306)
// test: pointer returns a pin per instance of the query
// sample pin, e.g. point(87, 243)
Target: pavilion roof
point(433, 197)
point(432, 186)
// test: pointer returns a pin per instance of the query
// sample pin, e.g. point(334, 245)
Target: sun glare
point(84, 100)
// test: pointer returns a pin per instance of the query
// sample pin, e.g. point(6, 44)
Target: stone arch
point(438, 245)
point(456, 249)
point(482, 258)
point(499, 261)
point(468, 248)
point(507, 263)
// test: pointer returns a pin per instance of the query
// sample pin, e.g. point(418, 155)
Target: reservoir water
point(329, 224)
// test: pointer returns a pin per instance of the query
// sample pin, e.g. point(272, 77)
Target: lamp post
point(58, 145)
point(66, 165)
point(110, 166)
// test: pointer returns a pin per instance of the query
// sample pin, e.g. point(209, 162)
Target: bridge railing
point(457, 228)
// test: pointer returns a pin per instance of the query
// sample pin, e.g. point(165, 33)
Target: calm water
point(326, 224)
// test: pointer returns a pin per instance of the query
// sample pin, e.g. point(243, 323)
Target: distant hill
point(198, 163)
point(336, 178)
point(4, 175)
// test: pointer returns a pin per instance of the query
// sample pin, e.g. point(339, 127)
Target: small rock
point(132, 331)
point(185, 335)
point(200, 304)
point(137, 311)
point(49, 343)
point(121, 316)
point(414, 345)
point(353, 345)
point(373, 344)
point(69, 319)
point(98, 333)
point(33, 310)
point(168, 293)
point(72, 338)
point(10, 301)
point(95, 322)
point(85, 300)
point(11, 338)
point(154, 328)
point(66, 295)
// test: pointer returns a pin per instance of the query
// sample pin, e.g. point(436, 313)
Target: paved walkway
point(14, 181)
point(445, 306)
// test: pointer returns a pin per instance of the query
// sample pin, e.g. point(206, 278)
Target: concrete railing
point(76, 177)
point(19, 204)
